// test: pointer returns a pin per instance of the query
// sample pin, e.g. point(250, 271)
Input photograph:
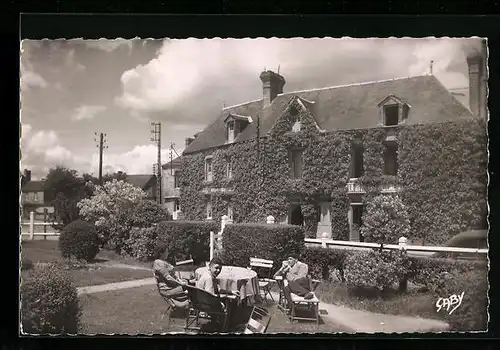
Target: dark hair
point(294, 256)
point(164, 255)
point(216, 260)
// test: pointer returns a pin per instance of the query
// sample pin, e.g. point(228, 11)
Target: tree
point(385, 220)
point(63, 189)
point(105, 207)
point(119, 175)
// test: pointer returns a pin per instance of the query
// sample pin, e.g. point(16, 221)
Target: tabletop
point(229, 272)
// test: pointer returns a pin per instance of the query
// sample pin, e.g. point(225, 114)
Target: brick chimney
point(272, 85)
point(477, 81)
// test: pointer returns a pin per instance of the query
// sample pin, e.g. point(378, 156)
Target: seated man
point(169, 286)
point(296, 280)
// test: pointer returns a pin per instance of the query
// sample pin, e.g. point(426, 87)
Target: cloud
point(108, 45)
point(191, 79)
point(30, 79)
point(86, 112)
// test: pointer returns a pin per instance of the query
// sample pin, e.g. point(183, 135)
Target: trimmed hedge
point(321, 261)
point(274, 242)
point(184, 239)
point(79, 239)
point(49, 301)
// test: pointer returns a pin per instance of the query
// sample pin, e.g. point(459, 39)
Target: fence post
point(270, 219)
point(402, 243)
point(32, 224)
point(324, 237)
point(212, 241)
point(45, 214)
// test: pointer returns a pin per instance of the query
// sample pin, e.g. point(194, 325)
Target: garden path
point(357, 321)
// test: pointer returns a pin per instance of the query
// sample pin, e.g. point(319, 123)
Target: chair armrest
point(278, 278)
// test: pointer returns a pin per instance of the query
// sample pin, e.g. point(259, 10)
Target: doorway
point(296, 217)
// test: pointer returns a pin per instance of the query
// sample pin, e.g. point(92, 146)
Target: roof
point(343, 107)
point(140, 180)
point(176, 163)
point(33, 186)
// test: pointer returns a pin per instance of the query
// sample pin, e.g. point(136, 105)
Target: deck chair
point(263, 268)
point(297, 302)
point(203, 305)
point(170, 304)
point(258, 322)
point(185, 270)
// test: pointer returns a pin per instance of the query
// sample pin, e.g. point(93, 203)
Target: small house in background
point(33, 196)
point(171, 186)
point(145, 182)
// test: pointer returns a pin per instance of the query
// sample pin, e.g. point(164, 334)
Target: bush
point(79, 240)
point(49, 301)
point(472, 314)
point(141, 244)
point(375, 269)
point(385, 220)
point(273, 242)
point(322, 261)
point(26, 264)
point(184, 239)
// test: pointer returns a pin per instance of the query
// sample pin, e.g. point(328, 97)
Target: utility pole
point(156, 132)
point(101, 146)
point(431, 66)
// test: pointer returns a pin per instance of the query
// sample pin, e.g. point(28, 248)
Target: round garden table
point(232, 278)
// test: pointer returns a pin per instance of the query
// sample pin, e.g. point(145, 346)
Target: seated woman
point(169, 286)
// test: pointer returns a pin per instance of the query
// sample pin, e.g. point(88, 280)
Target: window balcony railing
point(353, 186)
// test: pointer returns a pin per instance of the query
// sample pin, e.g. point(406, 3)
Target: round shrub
point(385, 220)
point(49, 301)
point(374, 269)
point(79, 240)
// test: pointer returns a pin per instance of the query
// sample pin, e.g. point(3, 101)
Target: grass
point(105, 313)
point(413, 303)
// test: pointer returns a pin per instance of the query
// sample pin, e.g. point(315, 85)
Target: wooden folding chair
point(203, 305)
point(297, 303)
point(263, 268)
point(168, 301)
point(258, 322)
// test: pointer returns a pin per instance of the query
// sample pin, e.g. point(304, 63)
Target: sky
point(72, 89)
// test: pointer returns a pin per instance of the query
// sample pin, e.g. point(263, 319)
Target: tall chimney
point(272, 85)
point(477, 81)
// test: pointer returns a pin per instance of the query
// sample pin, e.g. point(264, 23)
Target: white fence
point(32, 234)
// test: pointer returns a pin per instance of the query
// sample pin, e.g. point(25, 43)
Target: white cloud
point(108, 45)
point(202, 69)
point(86, 112)
point(30, 79)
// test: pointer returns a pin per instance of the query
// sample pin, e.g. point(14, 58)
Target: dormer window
point(295, 117)
point(235, 124)
point(394, 110)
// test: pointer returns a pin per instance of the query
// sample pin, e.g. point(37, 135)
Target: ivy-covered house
point(316, 157)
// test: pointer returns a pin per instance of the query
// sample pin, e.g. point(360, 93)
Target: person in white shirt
point(297, 282)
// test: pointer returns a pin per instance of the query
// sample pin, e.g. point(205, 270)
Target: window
point(208, 169)
point(294, 113)
point(356, 161)
point(229, 169)
point(209, 209)
point(230, 131)
point(177, 205)
point(296, 164)
point(391, 160)
point(391, 115)
point(230, 211)
point(177, 175)
point(357, 215)
point(35, 197)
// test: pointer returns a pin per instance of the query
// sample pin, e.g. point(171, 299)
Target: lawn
point(413, 303)
point(138, 311)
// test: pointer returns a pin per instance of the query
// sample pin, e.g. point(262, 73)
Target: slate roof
point(140, 180)
point(176, 163)
point(343, 108)
point(33, 186)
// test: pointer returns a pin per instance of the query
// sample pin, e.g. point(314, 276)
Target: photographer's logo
point(453, 302)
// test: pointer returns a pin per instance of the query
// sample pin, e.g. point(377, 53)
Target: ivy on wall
point(262, 184)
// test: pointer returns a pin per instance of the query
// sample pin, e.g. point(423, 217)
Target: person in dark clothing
point(295, 280)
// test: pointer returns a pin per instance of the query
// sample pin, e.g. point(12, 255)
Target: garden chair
point(297, 303)
point(263, 268)
point(258, 322)
point(203, 305)
point(170, 303)
point(185, 270)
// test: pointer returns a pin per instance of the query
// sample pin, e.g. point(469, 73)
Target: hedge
point(441, 168)
point(184, 239)
point(321, 261)
point(79, 239)
point(274, 242)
